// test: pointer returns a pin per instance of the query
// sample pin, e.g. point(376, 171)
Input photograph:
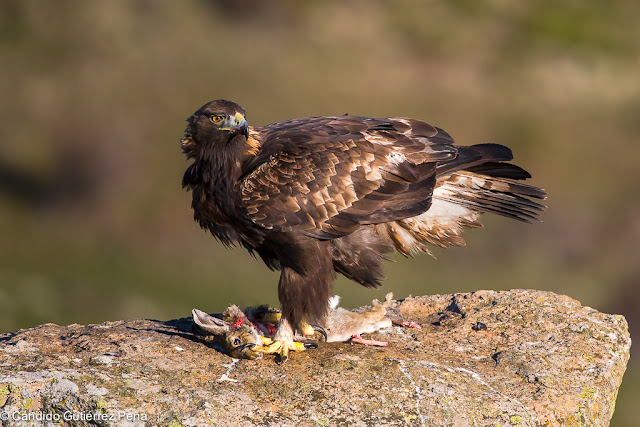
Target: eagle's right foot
point(282, 342)
point(280, 348)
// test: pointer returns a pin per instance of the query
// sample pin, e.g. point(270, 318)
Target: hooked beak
point(236, 124)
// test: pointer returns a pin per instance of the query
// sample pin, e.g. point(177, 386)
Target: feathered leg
point(304, 293)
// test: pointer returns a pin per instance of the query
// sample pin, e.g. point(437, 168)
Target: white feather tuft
point(334, 301)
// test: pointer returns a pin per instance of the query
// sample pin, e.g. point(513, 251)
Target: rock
point(535, 358)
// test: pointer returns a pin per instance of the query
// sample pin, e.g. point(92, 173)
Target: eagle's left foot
point(313, 331)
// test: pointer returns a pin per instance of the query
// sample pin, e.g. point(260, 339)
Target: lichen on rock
point(540, 358)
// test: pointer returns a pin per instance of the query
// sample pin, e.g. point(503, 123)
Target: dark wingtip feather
point(500, 170)
point(493, 152)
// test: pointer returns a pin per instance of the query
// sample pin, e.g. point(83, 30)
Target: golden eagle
point(320, 195)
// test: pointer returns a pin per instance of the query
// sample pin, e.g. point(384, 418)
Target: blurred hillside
point(93, 222)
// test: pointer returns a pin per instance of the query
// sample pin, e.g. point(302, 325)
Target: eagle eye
point(217, 118)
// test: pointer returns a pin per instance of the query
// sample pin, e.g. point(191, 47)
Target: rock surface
point(542, 359)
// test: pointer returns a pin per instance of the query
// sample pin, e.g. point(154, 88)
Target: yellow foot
point(312, 331)
point(281, 348)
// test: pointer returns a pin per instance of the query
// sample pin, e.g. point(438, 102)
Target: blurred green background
point(94, 225)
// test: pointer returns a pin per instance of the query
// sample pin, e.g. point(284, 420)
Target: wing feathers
point(498, 169)
point(327, 175)
point(476, 155)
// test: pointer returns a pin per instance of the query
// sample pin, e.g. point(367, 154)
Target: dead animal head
point(237, 339)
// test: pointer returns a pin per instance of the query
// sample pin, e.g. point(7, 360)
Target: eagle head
point(213, 126)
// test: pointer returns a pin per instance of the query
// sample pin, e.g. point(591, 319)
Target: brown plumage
point(320, 195)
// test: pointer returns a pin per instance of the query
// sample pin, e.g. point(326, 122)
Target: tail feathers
point(500, 196)
point(478, 180)
point(457, 203)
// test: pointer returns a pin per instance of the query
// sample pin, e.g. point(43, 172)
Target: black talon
point(311, 344)
point(321, 330)
point(243, 346)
